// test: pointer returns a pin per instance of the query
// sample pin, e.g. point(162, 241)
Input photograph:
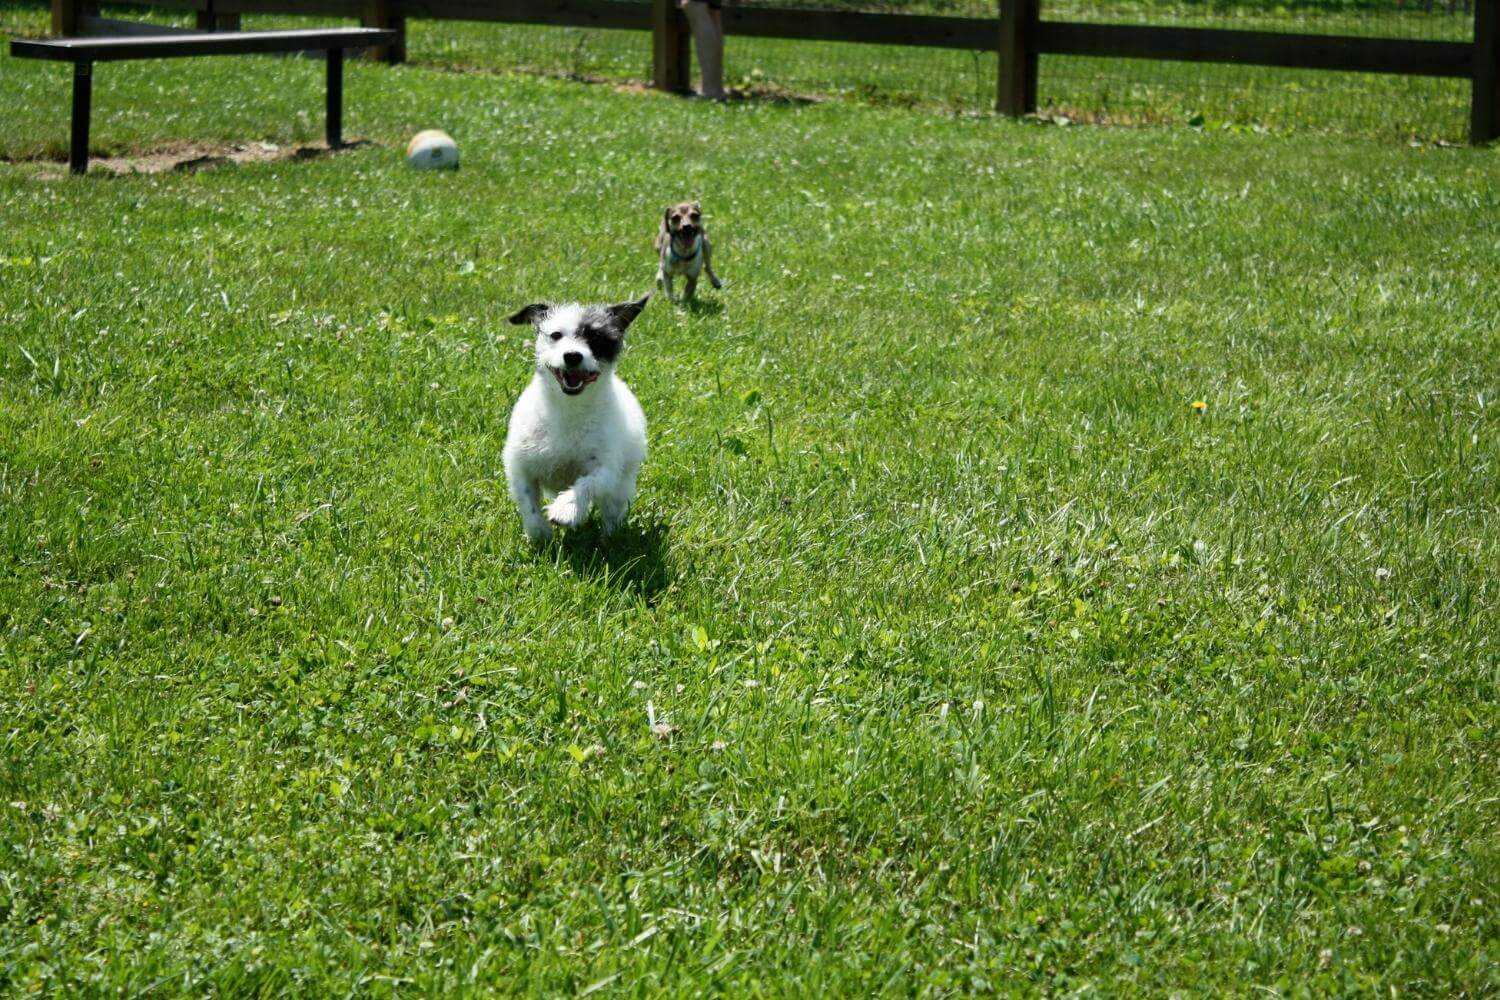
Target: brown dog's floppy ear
point(530, 314)
point(624, 313)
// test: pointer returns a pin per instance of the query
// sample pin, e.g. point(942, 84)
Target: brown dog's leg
point(708, 266)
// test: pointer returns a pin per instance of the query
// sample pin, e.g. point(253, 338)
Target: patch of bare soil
point(188, 157)
point(763, 93)
point(758, 92)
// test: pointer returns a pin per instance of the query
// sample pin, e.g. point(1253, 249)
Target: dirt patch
point(749, 91)
point(759, 92)
point(185, 157)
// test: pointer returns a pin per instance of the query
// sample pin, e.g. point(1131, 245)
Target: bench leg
point(335, 98)
point(83, 94)
point(217, 22)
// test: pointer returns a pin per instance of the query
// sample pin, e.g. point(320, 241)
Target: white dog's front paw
point(565, 511)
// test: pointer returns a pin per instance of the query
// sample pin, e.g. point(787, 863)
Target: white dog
point(577, 433)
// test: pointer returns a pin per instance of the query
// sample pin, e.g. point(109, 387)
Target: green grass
point(993, 662)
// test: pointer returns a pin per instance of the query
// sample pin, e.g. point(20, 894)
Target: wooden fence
point(1017, 35)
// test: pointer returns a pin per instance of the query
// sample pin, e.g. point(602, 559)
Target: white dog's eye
point(557, 336)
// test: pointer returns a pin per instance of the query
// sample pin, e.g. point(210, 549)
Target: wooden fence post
point(1018, 38)
point(381, 14)
point(65, 15)
point(671, 61)
point(1484, 111)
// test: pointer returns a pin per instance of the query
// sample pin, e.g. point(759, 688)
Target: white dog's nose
point(572, 359)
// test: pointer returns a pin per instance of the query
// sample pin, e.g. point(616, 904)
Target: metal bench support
point(335, 98)
point(83, 99)
point(83, 53)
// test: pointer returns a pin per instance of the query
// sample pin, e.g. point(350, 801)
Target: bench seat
point(198, 43)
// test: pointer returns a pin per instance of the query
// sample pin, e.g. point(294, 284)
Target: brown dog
point(684, 249)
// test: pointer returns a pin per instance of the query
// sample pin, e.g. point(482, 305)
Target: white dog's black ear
point(624, 313)
point(530, 314)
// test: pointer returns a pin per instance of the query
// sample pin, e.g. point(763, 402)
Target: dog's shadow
point(633, 560)
point(701, 307)
point(767, 94)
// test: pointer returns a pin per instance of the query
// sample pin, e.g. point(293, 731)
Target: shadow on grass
point(183, 157)
point(633, 560)
point(701, 307)
point(763, 93)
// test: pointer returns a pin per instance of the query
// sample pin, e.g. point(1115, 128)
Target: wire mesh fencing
point(591, 54)
point(945, 79)
point(1070, 88)
point(1226, 95)
point(1138, 91)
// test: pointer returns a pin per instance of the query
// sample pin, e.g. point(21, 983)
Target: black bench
point(84, 52)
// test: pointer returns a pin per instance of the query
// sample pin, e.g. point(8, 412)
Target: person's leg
point(714, 74)
point(708, 41)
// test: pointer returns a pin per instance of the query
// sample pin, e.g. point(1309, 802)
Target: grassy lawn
point(990, 659)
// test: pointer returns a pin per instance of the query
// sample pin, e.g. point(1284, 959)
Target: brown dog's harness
point(677, 257)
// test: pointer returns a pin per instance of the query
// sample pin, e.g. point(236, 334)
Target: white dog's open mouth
point(573, 380)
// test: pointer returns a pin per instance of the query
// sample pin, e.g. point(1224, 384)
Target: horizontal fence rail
point(925, 30)
point(1017, 34)
point(1403, 56)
